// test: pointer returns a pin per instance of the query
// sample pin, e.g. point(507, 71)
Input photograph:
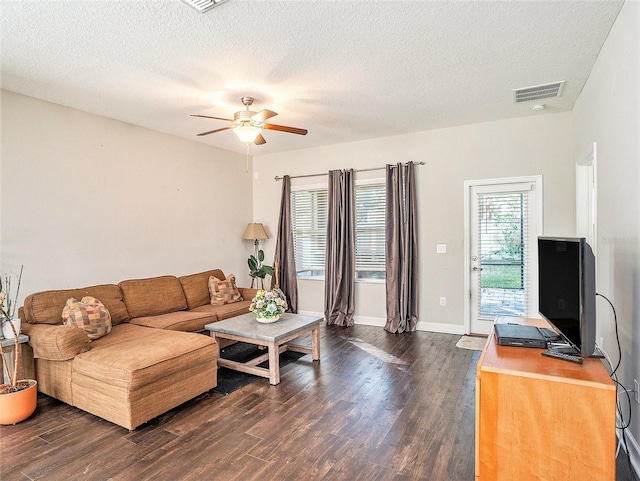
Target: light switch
point(441, 248)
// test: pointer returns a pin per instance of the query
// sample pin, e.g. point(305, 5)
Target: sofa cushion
point(223, 292)
point(88, 314)
point(46, 307)
point(196, 287)
point(189, 321)
point(134, 356)
point(226, 311)
point(248, 293)
point(153, 296)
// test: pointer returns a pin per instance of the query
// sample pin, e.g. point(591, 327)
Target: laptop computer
point(524, 336)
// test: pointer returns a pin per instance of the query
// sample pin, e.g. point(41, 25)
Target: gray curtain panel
point(340, 267)
point(401, 244)
point(285, 255)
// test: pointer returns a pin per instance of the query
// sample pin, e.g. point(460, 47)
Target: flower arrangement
point(268, 305)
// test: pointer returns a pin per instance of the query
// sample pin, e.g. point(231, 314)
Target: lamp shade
point(255, 231)
point(247, 133)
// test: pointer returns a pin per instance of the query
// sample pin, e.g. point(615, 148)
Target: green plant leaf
point(260, 255)
point(263, 271)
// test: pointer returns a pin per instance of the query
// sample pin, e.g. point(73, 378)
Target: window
point(503, 243)
point(309, 225)
point(370, 207)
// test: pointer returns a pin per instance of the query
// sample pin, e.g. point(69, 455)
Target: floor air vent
point(538, 92)
point(203, 5)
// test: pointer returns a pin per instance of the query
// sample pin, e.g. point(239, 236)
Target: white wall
point(88, 200)
point(608, 113)
point(538, 144)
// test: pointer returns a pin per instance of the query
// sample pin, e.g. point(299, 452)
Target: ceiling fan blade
point(259, 140)
point(263, 115)
point(284, 128)
point(214, 131)
point(209, 117)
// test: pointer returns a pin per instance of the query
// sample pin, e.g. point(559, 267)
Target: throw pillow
point(88, 314)
point(223, 292)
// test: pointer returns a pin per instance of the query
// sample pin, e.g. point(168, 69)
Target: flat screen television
point(567, 290)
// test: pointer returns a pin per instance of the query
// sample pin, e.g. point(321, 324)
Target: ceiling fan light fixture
point(247, 133)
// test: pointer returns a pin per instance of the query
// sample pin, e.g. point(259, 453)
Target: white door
point(504, 221)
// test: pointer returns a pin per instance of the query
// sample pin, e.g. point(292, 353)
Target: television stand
point(537, 418)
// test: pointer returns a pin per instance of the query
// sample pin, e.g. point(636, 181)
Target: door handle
point(477, 269)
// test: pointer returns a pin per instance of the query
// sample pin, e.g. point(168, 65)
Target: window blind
point(309, 225)
point(370, 217)
point(503, 220)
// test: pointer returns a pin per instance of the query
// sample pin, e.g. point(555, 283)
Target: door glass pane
point(503, 253)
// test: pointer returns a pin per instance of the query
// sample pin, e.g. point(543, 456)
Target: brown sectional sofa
point(152, 360)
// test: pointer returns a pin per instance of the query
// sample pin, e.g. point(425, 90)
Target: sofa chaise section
point(136, 373)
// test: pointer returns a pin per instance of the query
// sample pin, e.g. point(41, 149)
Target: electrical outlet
point(636, 388)
point(443, 301)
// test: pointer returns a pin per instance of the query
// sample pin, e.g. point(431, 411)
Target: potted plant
point(17, 397)
point(257, 270)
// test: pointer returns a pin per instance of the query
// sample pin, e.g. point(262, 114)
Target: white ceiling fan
point(248, 125)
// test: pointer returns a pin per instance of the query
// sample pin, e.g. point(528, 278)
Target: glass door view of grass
point(503, 246)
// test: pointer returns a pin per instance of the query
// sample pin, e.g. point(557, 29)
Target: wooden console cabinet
point(540, 418)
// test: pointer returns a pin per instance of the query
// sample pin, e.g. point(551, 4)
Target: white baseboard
point(380, 322)
point(370, 321)
point(365, 321)
point(633, 447)
point(439, 327)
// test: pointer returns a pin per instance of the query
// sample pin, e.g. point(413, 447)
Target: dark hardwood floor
point(353, 416)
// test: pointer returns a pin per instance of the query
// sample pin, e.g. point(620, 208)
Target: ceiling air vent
point(203, 5)
point(538, 92)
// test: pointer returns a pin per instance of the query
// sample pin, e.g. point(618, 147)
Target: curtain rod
point(279, 177)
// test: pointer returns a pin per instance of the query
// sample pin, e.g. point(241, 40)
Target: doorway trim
point(587, 197)
point(468, 185)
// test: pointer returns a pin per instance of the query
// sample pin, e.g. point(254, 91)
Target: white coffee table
point(276, 337)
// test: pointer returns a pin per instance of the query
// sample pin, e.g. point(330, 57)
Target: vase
point(267, 319)
point(7, 332)
point(18, 406)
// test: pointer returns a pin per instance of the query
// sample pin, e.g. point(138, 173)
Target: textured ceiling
point(344, 70)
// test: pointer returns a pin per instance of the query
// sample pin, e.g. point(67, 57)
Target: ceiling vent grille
point(203, 5)
point(538, 92)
